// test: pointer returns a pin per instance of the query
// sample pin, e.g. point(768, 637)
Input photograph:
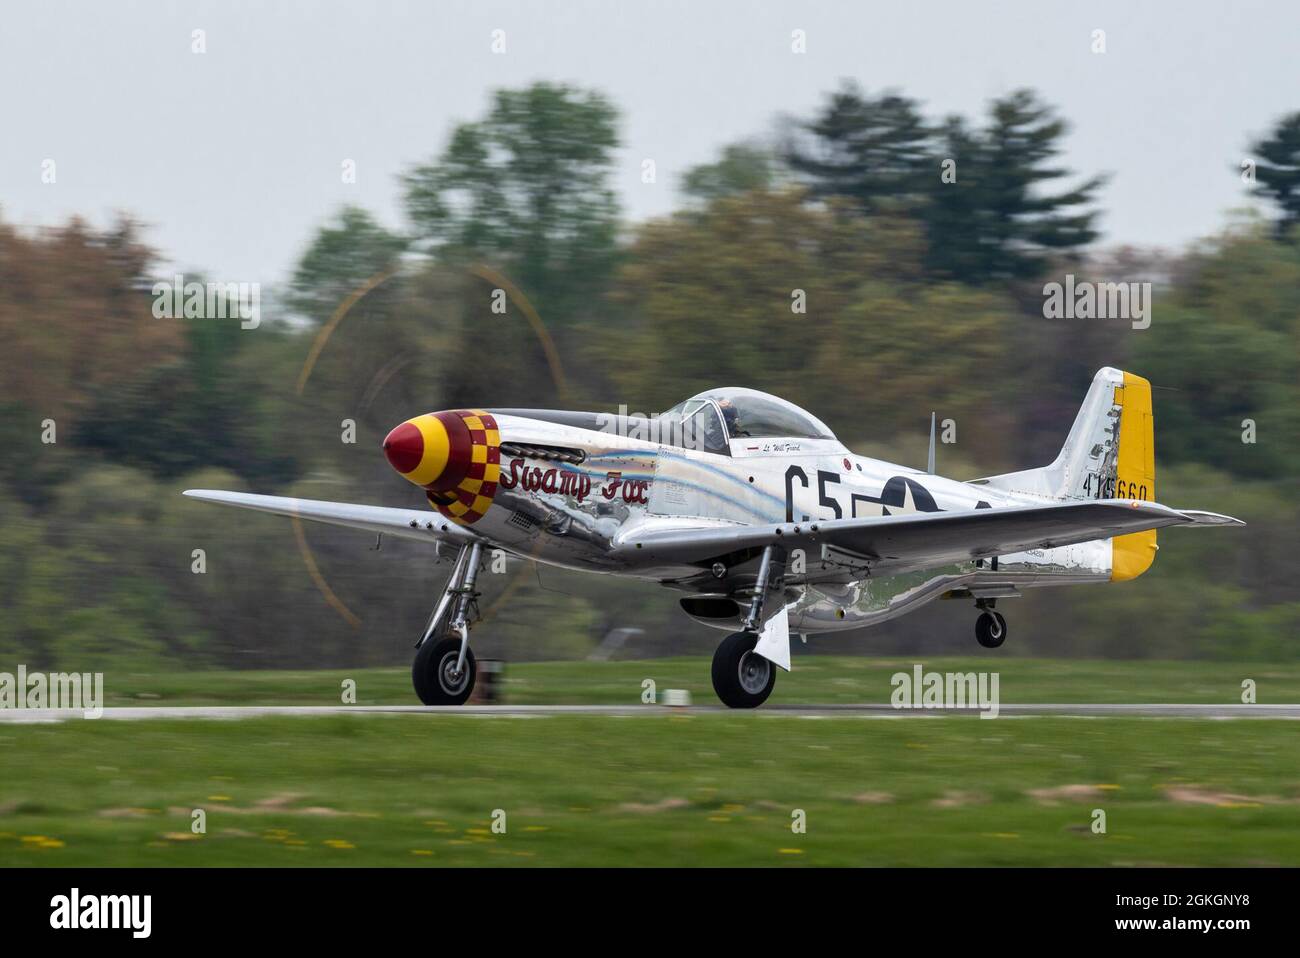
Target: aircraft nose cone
point(404, 447)
point(454, 456)
point(432, 451)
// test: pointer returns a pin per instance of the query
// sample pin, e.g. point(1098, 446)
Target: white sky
point(233, 157)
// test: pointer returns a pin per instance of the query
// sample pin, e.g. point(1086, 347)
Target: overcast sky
point(233, 157)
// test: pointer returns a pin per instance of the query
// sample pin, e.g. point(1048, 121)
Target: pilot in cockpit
point(731, 417)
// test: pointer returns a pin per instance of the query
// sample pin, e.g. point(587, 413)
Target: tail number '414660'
point(1109, 487)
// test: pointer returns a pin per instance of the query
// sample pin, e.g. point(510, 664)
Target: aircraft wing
point(421, 524)
point(900, 543)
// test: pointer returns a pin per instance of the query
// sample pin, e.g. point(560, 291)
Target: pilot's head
point(730, 416)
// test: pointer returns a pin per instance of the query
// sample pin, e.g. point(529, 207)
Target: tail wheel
point(990, 630)
point(434, 672)
point(742, 678)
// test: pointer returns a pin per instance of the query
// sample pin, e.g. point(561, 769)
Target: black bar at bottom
point(928, 906)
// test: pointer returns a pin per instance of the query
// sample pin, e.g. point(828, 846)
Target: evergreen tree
point(875, 151)
point(1277, 170)
point(980, 192)
point(997, 221)
point(952, 214)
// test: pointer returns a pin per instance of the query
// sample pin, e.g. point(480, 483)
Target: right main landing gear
point(444, 669)
point(437, 679)
point(990, 627)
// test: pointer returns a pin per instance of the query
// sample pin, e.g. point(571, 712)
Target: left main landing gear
point(444, 669)
point(990, 627)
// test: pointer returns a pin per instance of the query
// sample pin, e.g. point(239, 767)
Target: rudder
point(1108, 454)
point(1135, 475)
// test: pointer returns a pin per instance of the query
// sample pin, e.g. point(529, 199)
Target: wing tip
point(219, 496)
point(204, 493)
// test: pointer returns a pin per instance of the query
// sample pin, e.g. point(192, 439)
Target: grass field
point(670, 788)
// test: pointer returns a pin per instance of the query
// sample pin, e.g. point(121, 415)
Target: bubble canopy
point(748, 414)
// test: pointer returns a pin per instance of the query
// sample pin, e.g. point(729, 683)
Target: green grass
point(669, 788)
point(666, 789)
point(815, 679)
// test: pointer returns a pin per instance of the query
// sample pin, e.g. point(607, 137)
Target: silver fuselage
point(572, 515)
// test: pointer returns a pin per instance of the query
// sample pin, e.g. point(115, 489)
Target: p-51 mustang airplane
point(753, 509)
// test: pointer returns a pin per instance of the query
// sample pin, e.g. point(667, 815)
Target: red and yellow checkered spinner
point(455, 456)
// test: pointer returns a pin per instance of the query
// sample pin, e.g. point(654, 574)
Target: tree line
point(920, 247)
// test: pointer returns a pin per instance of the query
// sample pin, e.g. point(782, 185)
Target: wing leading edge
point(402, 523)
point(923, 540)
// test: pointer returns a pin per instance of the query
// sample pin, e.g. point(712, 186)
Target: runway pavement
point(865, 710)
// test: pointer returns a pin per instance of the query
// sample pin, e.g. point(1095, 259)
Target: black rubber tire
point(435, 658)
point(990, 630)
point(750, 690)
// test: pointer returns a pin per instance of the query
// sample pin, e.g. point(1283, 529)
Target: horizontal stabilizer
point(1199, 518)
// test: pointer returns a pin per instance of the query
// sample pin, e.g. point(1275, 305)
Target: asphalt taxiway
point(866, 710)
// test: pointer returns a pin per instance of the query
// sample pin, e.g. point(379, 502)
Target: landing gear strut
point(990, 627)
point(742, 678)
point(444, 668)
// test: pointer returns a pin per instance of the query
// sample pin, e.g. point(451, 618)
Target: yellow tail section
point(1135, 474)
point(1110, 453)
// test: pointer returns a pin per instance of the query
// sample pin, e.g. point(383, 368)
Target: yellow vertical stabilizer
point(1135, 474)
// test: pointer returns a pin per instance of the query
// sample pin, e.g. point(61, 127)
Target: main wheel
point(990, 630)
point(434, 672)
point(742, 678)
